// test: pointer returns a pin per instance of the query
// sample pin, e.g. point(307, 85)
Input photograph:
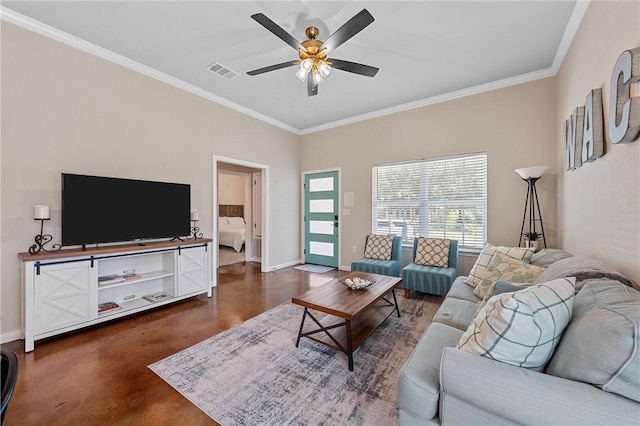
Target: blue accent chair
point(430, 279)
point(381, 267)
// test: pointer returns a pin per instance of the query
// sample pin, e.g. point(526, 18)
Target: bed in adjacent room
point(231, 226)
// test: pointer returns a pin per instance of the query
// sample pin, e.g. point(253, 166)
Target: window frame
point(424, 205)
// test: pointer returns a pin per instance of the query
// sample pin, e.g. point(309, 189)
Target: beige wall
point(68, 111)
point(230, 189)
point(598, 203)
point(515, 126)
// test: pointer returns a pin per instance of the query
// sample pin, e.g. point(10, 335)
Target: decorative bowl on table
point(357, 280)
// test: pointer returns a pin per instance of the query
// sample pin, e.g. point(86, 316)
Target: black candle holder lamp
point(195, 231)
point(532, 205)
point(41, 213)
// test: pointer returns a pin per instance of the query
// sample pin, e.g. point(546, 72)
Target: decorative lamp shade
point(531, 172)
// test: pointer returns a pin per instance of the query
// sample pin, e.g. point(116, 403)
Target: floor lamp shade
point(532, 218)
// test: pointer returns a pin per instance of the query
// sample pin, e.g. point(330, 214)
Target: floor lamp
point(531, 204)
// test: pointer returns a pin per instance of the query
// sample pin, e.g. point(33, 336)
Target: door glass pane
point(322, 184)
point(323, 249)
point(321, 206)
point(321, 227)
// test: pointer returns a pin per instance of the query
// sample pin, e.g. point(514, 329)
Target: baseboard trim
point(285, 265)
point(10, 336)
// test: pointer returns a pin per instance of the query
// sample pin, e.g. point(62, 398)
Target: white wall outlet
point(355, 249)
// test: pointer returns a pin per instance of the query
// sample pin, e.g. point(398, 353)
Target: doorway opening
point(240, 201)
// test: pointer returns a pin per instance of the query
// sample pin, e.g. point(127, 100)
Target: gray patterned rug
point(253, 374)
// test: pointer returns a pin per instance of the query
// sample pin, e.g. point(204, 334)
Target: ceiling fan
point(313, 53)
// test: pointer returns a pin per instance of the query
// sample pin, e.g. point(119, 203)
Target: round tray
point(357, 280)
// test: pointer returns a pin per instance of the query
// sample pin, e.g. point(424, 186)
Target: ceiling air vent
point(222, 71)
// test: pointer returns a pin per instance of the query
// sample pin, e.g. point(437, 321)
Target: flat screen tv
point(105, 209)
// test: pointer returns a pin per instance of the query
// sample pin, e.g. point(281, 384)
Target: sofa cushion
point(379, 247)
point(456, 313)
point(522, 328)
point(460, 290)
point(545, 257)
point(505, 268)
point(432, 252)
point(419, 381)
point(600, 344)
point(479, 271)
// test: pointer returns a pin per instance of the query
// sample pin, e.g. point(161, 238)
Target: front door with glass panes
point(321, 218)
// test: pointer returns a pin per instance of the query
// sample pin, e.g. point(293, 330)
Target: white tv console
point(61, 290)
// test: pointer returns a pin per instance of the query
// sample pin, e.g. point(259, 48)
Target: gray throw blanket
point(583, 268)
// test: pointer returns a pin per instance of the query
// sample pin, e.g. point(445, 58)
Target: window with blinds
point(437, 198)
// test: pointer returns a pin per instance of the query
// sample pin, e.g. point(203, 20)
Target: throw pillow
point(479, 270)
point(600, 345)
point(505, 268)
point(379, 247)
point(522, 328)
point(432, 252)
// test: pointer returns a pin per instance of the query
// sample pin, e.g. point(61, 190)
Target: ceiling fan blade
point(312, 87)
point(353, 67)
point(278, 31)
point(350, 28)
point(272, 68)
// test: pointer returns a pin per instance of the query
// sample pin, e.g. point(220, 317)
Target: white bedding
point(231, 232)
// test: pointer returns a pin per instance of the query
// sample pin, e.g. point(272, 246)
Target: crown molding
point(482, 88)
point(579, 10)
point(30, 24)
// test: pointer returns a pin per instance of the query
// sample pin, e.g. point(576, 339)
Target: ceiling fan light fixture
point(302, 74)
point(317, 78)
point(324, 69)
point(306, 64)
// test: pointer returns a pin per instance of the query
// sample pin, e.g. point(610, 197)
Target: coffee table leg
point(393, 292)
point(349, 345)
point(304, 316)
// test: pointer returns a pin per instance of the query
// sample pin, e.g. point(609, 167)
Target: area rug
point(253, 374)
point(314, 268)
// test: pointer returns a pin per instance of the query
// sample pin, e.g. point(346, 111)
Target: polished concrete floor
point(99, 375)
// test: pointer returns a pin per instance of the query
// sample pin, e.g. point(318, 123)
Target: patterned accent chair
point(378, 266)
point(430, 279)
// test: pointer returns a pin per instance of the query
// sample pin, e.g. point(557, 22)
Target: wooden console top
point(28, 257)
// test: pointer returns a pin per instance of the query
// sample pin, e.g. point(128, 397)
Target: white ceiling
point(426, 50)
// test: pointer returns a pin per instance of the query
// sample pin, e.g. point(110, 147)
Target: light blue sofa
point(430, 279)
point(381, 267)
point(592, 377)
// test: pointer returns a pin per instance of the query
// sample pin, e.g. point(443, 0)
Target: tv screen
point(104, 209)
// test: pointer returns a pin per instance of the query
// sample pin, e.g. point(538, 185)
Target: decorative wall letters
point(624, 111)
point(593, 138)
point(584, 130)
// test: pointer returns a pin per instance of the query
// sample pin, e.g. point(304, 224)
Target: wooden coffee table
point(352, 314)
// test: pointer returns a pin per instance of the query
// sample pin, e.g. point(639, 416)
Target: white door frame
point(248, 210)
point(302, 200)
point(265, 208)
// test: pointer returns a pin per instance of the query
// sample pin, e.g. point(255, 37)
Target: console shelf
point(61, 290)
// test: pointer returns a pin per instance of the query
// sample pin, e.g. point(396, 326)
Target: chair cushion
point(379, 247)
point(600, 344)
point(374, 266)
point(522, 328)
point(432, 252)
point(428, 279)
point(479, 271)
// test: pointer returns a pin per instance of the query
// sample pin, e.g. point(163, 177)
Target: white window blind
point(437, 198)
